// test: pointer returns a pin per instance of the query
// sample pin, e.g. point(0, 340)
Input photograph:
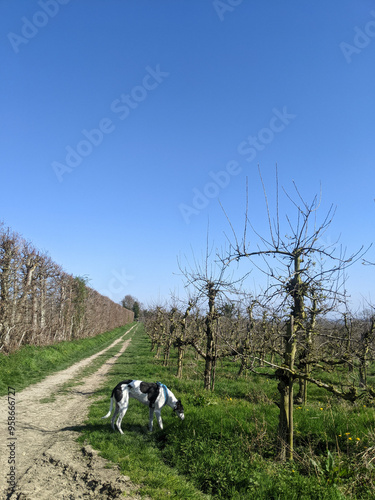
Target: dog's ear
point(179, 406)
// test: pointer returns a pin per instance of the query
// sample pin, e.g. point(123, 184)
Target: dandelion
point(339, 435)
point(347, 433)
point(321, 408)
point(350, 439)
point(358, 439)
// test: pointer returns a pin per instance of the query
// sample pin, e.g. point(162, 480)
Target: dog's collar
point(165, 392)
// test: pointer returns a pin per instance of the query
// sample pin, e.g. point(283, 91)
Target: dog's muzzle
point(179, 410)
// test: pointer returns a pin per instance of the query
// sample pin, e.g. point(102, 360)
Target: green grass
point(226, 448)
point(138, 452)
point(31, 364)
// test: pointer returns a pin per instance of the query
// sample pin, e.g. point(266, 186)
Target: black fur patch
point(152, 391)
point(117, 391)
point(179, 407)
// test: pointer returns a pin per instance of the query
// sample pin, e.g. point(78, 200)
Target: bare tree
point(301, 270)
point(210, 281)
point(128, 302)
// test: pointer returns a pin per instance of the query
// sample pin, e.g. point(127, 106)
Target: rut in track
point(49, 461)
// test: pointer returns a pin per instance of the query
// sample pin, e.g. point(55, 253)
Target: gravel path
point(49, 463)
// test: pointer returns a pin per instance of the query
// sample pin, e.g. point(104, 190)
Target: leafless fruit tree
point(211, 282)
point(305, 279)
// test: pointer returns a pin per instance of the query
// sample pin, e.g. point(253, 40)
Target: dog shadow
point(82, 427)
point(104, 427)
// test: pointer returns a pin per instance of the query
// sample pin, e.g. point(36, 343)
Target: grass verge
point(33, 363)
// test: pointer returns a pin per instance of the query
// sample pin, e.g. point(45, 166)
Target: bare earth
point(50, 464)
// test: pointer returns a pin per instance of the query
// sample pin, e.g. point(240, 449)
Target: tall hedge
point(42, 304)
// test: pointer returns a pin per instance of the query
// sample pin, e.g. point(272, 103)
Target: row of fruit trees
point(298, 329)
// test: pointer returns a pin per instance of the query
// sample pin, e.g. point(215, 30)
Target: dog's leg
point(114, 416)
point(158, 418)
point(151, 420)
point(122, 408)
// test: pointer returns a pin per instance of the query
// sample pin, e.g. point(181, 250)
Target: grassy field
point(32, 363)
point(226, 447)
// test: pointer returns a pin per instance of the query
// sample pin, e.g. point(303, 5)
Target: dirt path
point(49, 463)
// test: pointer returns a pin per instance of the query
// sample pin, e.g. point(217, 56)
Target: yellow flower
point(347, 433)
point(358, 439)
point(339, 435)
point(350, 439)
point(321, 408)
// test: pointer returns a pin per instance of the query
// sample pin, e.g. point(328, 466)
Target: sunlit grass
point(227, 445)
point(226, 448)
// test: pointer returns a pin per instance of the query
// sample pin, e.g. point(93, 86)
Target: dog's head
point(179, 410)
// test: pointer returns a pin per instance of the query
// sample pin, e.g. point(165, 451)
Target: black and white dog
point(156, 395)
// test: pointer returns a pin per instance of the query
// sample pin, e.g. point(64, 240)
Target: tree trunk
point(285, 388)
point(182, 339)
point(210, 336)
point(296, 290)
point(209, 350)
point(181, 350)
point(363, 371)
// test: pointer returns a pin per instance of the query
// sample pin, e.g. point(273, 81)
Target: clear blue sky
point(116, 114)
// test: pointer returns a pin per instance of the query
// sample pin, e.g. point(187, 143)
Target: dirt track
point(49, 462)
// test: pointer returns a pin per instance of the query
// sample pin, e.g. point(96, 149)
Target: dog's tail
point(110, 408)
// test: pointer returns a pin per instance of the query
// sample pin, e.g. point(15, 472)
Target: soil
point(49, 463)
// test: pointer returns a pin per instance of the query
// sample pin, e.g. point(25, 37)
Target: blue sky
point(124, 122)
